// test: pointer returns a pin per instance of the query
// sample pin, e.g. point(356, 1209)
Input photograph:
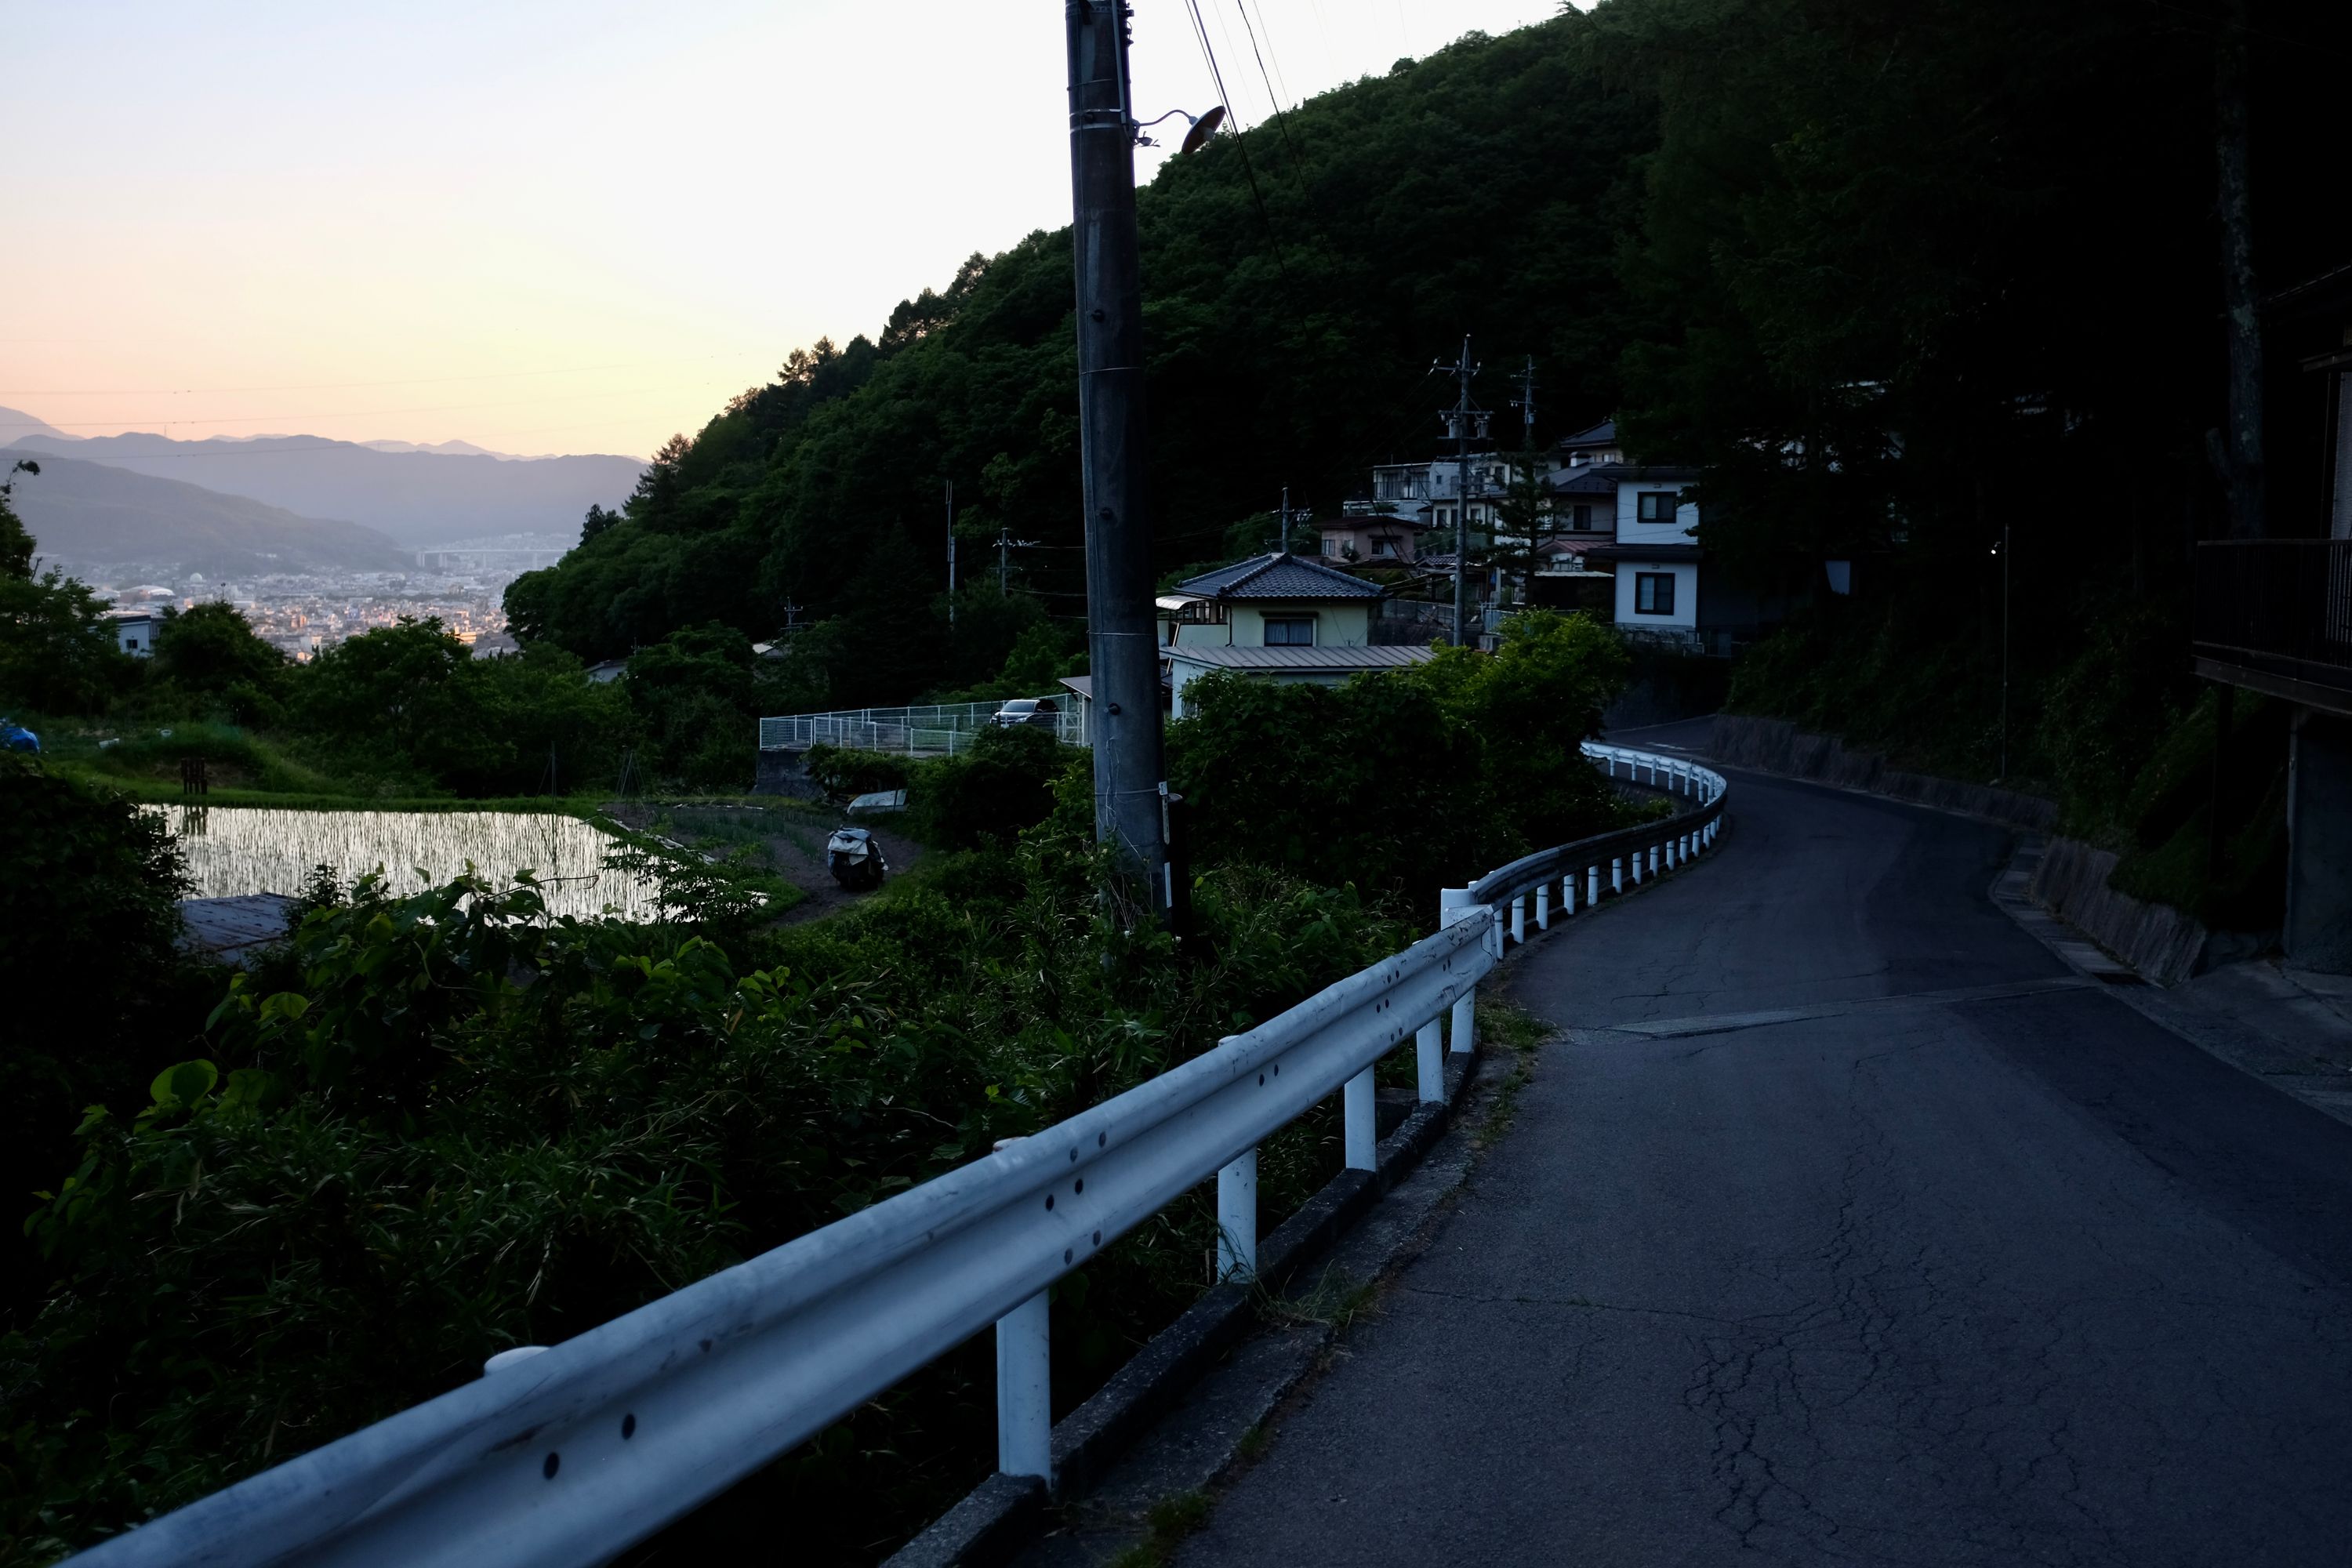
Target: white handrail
point(564, 1459)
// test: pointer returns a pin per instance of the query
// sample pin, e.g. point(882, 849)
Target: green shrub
point(1003, 783)
point(444, 1124)
point(1406, 782)
point(842, 773)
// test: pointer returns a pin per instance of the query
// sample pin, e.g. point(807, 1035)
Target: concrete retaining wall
point(1776, 746)
point(2157, 940)
point(783, 771)
point(2071, 881)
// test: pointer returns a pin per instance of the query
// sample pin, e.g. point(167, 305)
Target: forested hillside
point(1463, 192)
point(1899, 274)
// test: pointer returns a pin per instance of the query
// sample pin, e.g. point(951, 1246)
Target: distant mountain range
point(95, 520)
point(419, 497)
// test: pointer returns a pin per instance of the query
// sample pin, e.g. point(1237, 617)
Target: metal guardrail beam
point(566, 1457)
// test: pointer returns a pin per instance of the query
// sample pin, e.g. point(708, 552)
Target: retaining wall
point(1776, 746)
point(2161, 943)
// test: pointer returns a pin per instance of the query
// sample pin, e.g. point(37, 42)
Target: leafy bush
point(57, 655)
point(209, 657)
point(842, 773)
point(1409, 781)
point(444, 1124)
point(990, 792)
point(98, 997)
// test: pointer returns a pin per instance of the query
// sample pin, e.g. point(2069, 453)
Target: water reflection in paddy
point(233, 851)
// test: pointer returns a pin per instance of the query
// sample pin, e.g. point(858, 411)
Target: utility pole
point(1462, 370)
point(1122, 644)
point(951, 555)
point(1527, 401)
point(1003, 563)
point(2004, 651)
point(1282, 531)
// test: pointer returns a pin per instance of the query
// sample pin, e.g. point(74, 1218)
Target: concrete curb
point(999, 1516)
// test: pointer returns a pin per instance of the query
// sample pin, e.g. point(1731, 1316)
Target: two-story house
point(1368, 538)
point(1278, 600)
point(1655, 555)
point(1282, 617)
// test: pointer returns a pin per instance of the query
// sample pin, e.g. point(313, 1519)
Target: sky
point(546, 227)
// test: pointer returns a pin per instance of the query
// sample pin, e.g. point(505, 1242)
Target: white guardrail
point(567, 1455)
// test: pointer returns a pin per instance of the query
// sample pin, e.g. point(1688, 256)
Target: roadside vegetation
point(273, 1206)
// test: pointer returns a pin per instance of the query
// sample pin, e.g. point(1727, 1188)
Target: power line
point(1288, 146)
point(1240, 141)
point(292, 386)
point(354, 413)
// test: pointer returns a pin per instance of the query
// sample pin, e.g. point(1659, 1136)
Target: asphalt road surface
point(1950, 1258)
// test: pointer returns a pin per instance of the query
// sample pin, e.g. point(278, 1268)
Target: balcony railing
point(2279, 606)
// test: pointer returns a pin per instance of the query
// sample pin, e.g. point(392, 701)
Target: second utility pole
point(1463, 370)
point(1122, 633)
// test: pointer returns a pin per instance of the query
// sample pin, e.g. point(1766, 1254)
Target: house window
point(1290, 631)
point(1383, 547)
point(1580, 515)
point(1654, 593)
point(1654, 506)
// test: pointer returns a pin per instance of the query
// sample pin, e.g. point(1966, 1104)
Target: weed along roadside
point(866, 1065)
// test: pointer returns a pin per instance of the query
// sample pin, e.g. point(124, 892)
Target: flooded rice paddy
point(236, 851)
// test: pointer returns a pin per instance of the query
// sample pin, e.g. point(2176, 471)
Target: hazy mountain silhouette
point(417, 497)
point(88, 516)
point(15, 423)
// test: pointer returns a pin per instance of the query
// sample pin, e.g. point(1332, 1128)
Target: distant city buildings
point(302, 612)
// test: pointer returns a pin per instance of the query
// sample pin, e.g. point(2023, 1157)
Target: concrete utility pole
point(2239, 455)
point(1122, 643)
point(951, 555)
point(1527, 401)
point(1462, 370)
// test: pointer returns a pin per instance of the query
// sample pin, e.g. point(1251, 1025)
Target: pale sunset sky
point(547, 227)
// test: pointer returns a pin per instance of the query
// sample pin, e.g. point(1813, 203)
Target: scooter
point(854, 858)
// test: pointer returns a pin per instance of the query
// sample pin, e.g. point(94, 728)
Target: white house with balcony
point(1655, 555)
point(1278, 600)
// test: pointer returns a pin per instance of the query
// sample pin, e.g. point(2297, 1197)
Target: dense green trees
point(1459, 193)
point(1404, 782)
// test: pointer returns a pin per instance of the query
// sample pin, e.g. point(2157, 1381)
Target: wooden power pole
point(1121, 635)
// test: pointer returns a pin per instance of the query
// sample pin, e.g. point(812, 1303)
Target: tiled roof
point(1381, 656)
point(1584, 481)
point(1602, 435)
point(1280, 575)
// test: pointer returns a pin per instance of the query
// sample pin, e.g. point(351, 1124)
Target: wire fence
point(939, 730)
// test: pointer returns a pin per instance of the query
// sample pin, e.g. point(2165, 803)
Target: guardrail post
point(1617, 873)
point(1363, 1125)
point(1543, 907)
point(1592, 885)
point(1519, 919)
point(1654, 860)
point(1237, 1219)
point(1429, 1060)
point(1025, 1390)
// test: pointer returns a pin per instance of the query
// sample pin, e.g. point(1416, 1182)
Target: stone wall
point(1776, 746)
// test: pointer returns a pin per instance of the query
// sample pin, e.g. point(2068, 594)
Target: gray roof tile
point(1280, 575)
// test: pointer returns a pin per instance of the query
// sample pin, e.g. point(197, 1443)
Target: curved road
point(1955, 1260)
